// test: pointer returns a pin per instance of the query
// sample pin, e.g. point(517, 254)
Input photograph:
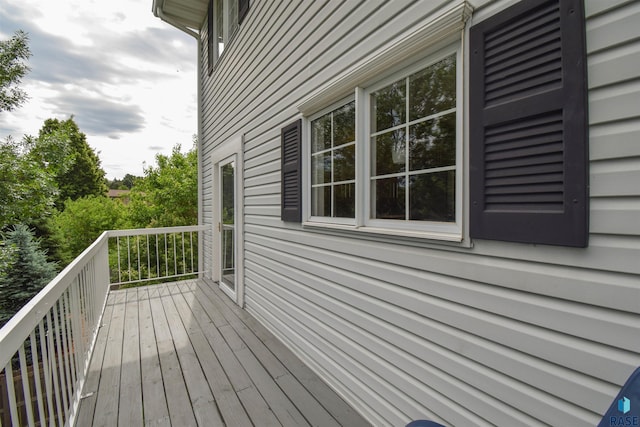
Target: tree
point(129, 181)
point(81, 222)
point(13, 54)
point(24, 270)
point(63, 151)
point(125, 183)
point(27, 192)
point(168, 193)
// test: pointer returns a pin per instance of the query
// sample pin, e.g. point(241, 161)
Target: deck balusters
point(45, 349)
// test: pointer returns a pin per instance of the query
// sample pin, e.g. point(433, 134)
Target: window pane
point(433, 89)
point(233, 17)
point(432, 197)
point(321, 133)
point(344, 163)
point(228, 193)
point(321, 168)
point(432, 143)
point(321, 201)
point(389, 196)
point(344, 124)
point(344, 203)
point(388, 106)
point(389, 153)
point(220, 26)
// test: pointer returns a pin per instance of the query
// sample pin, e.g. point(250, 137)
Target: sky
point(128, 79)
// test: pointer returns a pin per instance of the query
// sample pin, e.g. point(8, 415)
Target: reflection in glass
point(432, 196)
point(432, 143)
point(321, 133)
point(421, 144)
point(433, 89)
point(389, 197)
point(344, 124)
point(233, 18)
point(321, 201)
point(344, 163)
point(227, 231)
point(388, 106)
point(344, 200)
point(321, 168)
point(389, 149)
point(333, 151)
point(220, 26)
point(228, 261)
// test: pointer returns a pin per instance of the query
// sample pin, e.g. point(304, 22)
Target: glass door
point(227, 225)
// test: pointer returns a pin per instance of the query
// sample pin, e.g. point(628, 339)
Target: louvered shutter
point(291, 172)
point(528, 125)
point(243, 9)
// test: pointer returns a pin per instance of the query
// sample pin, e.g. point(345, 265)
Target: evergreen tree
point(24, 270)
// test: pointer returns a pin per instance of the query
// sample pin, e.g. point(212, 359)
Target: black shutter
point(210, 37)
point(291, 172)
point(528, 125)
point(243, 9)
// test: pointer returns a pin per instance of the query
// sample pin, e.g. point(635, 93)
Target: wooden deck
point(182, 354)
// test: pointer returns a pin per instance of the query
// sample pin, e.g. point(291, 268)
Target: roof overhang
point(186, 15)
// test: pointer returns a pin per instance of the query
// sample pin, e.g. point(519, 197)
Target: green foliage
point(168, 193)
point(27, 192)
point(125, 183)
point(63, 151)
point(24, 270)
point(13, 54)
point(81, 222)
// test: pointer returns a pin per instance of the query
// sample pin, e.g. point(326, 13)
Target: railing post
point(200, 253)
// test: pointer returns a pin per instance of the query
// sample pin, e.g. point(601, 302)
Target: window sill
point(391, 235)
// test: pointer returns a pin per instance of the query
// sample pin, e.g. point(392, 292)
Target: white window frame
point(306, 167)
point(363, 223)
point(227, 32)
point(433, 229)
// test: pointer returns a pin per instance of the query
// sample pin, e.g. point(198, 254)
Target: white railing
point(152, 254)
point(45, 349)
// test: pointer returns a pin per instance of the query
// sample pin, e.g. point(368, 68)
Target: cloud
point(123, 74)
point(100, 116)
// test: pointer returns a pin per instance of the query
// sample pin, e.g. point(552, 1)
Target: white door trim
point(233, 147)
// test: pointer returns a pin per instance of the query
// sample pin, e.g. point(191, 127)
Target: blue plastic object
point(424, 423)
point(625, 409)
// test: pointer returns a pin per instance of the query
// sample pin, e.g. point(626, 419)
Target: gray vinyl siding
point(499, 333)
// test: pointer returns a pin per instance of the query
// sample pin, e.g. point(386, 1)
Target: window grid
point(332, 184)
point(405, 127)
point(422, 194)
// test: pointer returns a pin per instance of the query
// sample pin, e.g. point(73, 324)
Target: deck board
point(182, 354)
point(130, 406)
point(155, 410)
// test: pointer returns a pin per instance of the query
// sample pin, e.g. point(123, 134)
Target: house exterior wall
point(478, 333)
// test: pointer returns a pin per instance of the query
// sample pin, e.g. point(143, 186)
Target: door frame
point(230, 149)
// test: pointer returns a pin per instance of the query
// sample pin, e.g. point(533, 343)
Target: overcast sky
point(128, 79)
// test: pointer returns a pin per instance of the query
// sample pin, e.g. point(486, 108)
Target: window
point(223, 19)
point(402, 173)
point(413, 146)
point(333, 168)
